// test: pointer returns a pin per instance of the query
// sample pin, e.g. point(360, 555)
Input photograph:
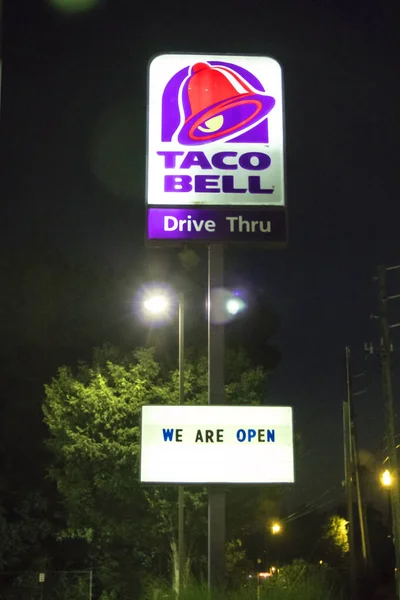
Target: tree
point(51, 311)
point(93, 419)
point(337, 538)
point(23, 526)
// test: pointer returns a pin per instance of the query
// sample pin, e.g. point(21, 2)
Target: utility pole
point(390, 414)
point(348, 470)
point(362, 514)
point(361, 509)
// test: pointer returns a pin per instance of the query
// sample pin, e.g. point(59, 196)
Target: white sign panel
point(215, 131)
point(217, 444)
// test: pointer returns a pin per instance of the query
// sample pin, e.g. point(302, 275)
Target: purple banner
point(217, 225)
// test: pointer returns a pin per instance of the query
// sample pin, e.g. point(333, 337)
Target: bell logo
point(215, 101)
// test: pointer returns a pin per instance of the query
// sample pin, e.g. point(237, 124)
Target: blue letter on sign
point(270, 435)
point(168, 435)
point(240, 435)
point(252, 434)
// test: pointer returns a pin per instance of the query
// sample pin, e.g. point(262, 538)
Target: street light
point(234, 305)
point(387, 482)
point(226, 305)
point(158, 304)
point(276, 528)
point(386, 478)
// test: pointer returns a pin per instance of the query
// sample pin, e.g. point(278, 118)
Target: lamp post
point(157, 305)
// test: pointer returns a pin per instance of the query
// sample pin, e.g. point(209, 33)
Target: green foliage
point(336, 535)
point(299, 570)
point(235, 554)
point(314, 584)
point(62, 585)
point(313, 587)
point(297, 581)
point(23, 526)
point(237, 563)
point(93, 417)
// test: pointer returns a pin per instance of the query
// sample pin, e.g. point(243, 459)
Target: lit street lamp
point(158, 305)
point(234, 306)
point(276, 528)
point(386, 478)
point(387, 482)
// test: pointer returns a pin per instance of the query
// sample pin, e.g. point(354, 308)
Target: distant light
point(386, 478)
point(156, 305)
point(273, 569)
point(234, 306)
point(224, 305)
point(264, 575)
point(321, 562)
point(276, 528)
point(74, 6)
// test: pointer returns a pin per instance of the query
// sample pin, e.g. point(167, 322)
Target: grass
point(314, 586)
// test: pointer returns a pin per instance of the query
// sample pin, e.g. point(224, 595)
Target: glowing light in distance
point(276, 528)
point(234, 306)
point(156, 305)
point(386, 478)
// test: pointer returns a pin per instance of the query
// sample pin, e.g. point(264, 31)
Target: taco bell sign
point(215, 168)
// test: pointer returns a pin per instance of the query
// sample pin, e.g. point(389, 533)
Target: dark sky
point(73, 148)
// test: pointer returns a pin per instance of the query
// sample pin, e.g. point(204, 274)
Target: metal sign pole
point(216, 497)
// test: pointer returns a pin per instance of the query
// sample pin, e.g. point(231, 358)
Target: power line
point(311, 510)
point(313, 505)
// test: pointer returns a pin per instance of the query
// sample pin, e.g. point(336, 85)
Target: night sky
point(73, 159)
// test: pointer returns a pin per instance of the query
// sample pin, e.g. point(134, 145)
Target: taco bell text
point(186, 166)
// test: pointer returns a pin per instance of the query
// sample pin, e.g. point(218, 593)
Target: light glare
point(225, 305)
point(156, 305)
point(276, 528)
point(386, 478)
point(234, 305)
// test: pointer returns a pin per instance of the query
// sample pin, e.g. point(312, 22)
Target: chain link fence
point(53, 585)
